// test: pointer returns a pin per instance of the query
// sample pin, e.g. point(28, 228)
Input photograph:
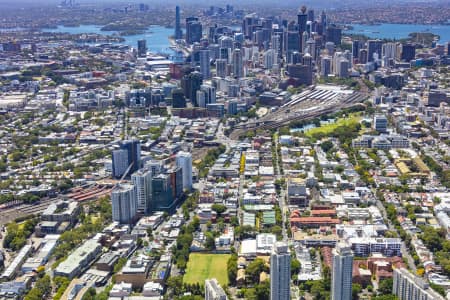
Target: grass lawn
point(329, 128)
point(205, 266)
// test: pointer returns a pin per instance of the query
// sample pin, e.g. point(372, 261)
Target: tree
point(232, 269)
point(356, 289)
point(263, 290)
point(90, 294)
point(327, 146)
point(219, 208)
point(385, 286)
point(255, 268)
point(41, 289)
point(210, 243)
point(295, 267)
point(175, 284)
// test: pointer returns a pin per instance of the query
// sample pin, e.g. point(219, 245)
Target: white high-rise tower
point(341, 278)
point(184, 160)
point(280, 272)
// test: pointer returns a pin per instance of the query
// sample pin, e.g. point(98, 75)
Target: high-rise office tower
point(142, 181)
point(124, 203)
point(362, 56)
point(248, 23)
point(325, 66)
point(311, 15)
point(119, 162)
point(176, 181)
point(304, 39)
point(196, 80)
point(356, 46)
point(295, 58)
point(178, 32)
point(276, 44)
point(210, 93)
point(128, 155)
point(213, 291)
point(374, 46)
point(178, 99)
point(330, 47)
point(408, 52)
point(184, 161)
point(341, 277)
point(194, 30)
point(292, 43)
point(268, 59)
point(311, 48)
point(280, 272)
point(162, 194)
point(322, 25)
point(238, 64)
point(205, 67)
point(323, 19)
point(191, 84)
point(343, 66)
point(410, 287)
point(302, 18)
point(226, 42)
point(389, 50)
point(221, 67)
point(201, 98)
point(142, 48)
point(334, 34)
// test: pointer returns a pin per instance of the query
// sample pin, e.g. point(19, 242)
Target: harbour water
point(157, 37)
point(400, 31)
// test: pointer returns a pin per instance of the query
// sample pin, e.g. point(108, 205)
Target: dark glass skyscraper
point(178, 32)
point(193, 30)
point(302, 19)
point(374, 46)
point(142, 48)
point(128, 154)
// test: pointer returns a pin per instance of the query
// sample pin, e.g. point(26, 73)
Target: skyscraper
point(162, 195)
point(409, 52)
point(142, 181)
point(205, 67)
point(124, 203)
point(128, 154)
point(184, 161)
point(238, 65)
point(341, 277)
point(119, 162)
point(325, 66)
point(194, 30)
point(374, 46)
point(142, 48)
point(334, 34)
point(280, 272)
point(302, 18)
point(178, 99)
point(221, 67)
point(356, 46)
point(178, 31)
point(292, 44)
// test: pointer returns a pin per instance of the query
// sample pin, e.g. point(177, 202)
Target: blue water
point(157, 37)
point(399, 31)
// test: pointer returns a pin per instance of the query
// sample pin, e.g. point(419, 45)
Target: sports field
point(205, 266)
point(329, 128)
